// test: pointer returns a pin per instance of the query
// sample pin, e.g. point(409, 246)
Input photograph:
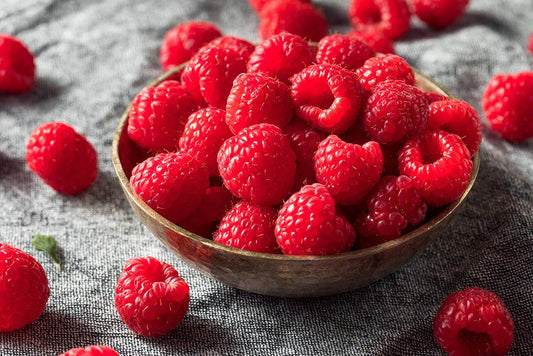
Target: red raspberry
point(215, 204)
point(249, 227)
point(173, 184)
point(63, 158)
point(184, 40)
point(382, 68)
point(394, 112)
point(507, 105)
point(151, 297)
point(244, 47)
point(158, 115)
point(203, 135)
point(345, 51)
point(439, 14)
point(439, 165)
point(258, 5)
point(474, 322)
point(17, 68)
point(91, 351)
point(530, 43)
point(308, 224)
point(258, 164)
point(390, 17)
point(432, 97)
point(255, 99)
point(393, 205)
point(328, 97)
point(24, 288)
point(294, 17)
point(210, 73)
point(459, 118)
point(281, 56)
point(348, 171)
point(304, 142)
point(375, 39)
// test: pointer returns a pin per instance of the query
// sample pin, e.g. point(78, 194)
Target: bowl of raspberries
point(291, 168)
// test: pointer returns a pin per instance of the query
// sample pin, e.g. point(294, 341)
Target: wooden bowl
point(280, 275)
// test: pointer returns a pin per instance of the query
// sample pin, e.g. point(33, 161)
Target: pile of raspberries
point(294, 148)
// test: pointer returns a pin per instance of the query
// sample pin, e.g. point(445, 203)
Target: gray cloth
point(94, 56)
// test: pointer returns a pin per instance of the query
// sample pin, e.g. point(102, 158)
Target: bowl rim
point(362, 253)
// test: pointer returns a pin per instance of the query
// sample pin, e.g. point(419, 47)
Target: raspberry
point(348, 171)
point(474, 322)
point(184, 40)
point(173, 184)
point(244, 47)
point(345, 51)
point(23, 288)
point(256, 98)
point(258, 5)
point(294, 17)
point(308, 224)
point(158, 115)
point(439, 14)
point(203, 135)
point(248, 227)
point(210, 73)
point(215, 204)
point(459, 118)
point(91, 351)
point(432, 97)
point(17, 68)
point(63, 158)
point(393, 204)
point(258, 164)
point(388, 67)
point(390, 17)
point(394, 112)
point(151, 297)
point(328, 97)
point(281, 56)
point(304, 142)
point(507, 105)
point(375, 39)
point(439, 165)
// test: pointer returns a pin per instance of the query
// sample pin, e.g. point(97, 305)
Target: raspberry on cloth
point(439, 14)
point(17, 66)
point(390, 17)
point(91, 351)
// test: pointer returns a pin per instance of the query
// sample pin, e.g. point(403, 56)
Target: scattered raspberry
point(244, 47)
point(432, 97)
point(210, 73)
point(348, 171)
point(91, 351)
point(281, 56)
point(388, 67)
point(530, 43)
point(150, 296)
point(439, 165)
point(459, 118)
point(63, 158)
point(375, 39)
point(474, 322)
point(216, 202)
point(24, 288)
point(507, 105)
point(345, 51)
point(327, 97)
point(17, 68)
point(390, 17)
point(173, 184)
point(256, 98)
point(203, 135)
point(249, 227)
point(258, 5)
point(158, 115)
point(308, 224)
point(304, 142)
point(439, 14)
point(258, 164)
point(184, 40)
point(294, 17)
point(393, 204)
point(394, 112)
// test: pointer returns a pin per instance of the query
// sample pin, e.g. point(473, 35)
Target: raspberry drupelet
point(390, 17)
point(17, 66)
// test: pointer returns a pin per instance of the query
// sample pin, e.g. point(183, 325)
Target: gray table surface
point(94, 56)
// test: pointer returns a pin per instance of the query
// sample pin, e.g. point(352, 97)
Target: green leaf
point(48, 245)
